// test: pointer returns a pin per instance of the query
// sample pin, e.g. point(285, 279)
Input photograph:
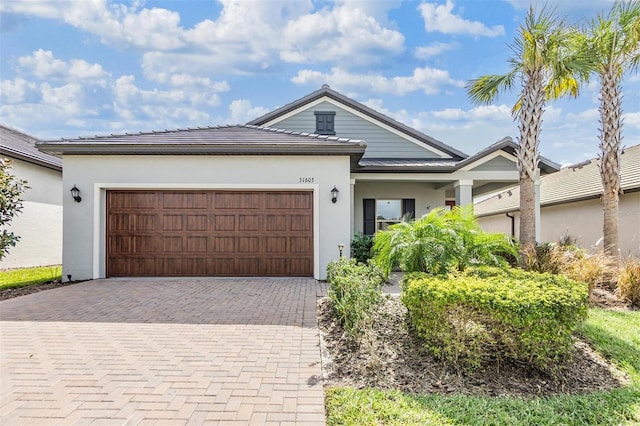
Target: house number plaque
point(305, 180)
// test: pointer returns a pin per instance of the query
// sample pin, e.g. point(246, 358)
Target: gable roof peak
point(326, 91)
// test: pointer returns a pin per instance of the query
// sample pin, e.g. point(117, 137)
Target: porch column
point(464, 192)
point(353, 206)
point(536, 205)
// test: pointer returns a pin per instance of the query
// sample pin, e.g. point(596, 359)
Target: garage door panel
point(121, 221)
point(273, 266)
point(300, 245)
point(248, 244)
point(224, 244)
point(276, 244)
point(172, 244)
point(300, 266)
point(236, 201)
point(190, 201)
point(120, 244)
point(198, 222)
point(222, 266)
point(196, 244)
point(209, 233)
point(300, 222)
point(144, 244)
point(275, 223)
point(225, 222)
point(143, 267)
point(249, 265)
point(248, 222)
point(172, 222)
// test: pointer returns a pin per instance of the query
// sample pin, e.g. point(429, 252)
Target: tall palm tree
point(614, 42)
point(548, 66)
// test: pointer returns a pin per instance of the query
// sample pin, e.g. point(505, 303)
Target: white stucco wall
point(581, 220)
point(427, 198)
point(84, 236)
point(39, 225)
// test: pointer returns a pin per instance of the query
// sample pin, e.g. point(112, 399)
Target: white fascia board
point(361, 115)
point(498, 176)
point(489, 157)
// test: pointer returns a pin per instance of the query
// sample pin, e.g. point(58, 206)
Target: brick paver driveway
point(163, 351)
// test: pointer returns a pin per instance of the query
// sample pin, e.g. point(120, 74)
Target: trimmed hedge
point(488, 314)
point(354, 290)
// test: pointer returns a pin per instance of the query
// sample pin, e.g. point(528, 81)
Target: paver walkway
point(163, 351)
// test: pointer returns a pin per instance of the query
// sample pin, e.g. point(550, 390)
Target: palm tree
point(548, 66)
point(613, 41)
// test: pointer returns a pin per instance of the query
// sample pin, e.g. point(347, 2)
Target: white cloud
point(16, 91)
point(242, 111)
point(631, 119)
point(431, 81)
point(434, 49)
point(483, 112)
point(439, 17)
point(246, 37)
point(43, 65)
point(346, 32)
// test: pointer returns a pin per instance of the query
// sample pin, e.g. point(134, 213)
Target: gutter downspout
point(513, 224)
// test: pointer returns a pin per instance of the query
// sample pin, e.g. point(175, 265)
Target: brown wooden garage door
point(209, 233)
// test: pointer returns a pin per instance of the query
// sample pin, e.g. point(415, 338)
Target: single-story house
point(276, 196)
point(39, 225)
point(571, 206)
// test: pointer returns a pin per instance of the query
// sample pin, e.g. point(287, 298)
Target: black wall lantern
point(75, 193)
point(334, 194)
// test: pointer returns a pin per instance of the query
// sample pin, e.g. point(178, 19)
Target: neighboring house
point(273, 197)
point(39, 225)
point(571, 206)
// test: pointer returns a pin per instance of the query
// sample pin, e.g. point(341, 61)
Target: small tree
point(614, 42)
point(11, 190)
point(547, 65)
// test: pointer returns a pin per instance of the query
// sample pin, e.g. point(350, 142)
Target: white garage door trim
point(100, 213)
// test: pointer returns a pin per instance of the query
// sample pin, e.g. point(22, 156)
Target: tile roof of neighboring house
point(238, 140)
point(573, 183)
point(16, 144)
point(440, 165)
point(325, 90)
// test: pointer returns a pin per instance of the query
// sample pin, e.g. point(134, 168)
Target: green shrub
point(489, 314)
point(361, 247)
point(629, 281)
point(354, 291)
point(441, 242)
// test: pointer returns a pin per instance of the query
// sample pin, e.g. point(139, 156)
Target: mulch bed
point(10, 293)
point(393, 358)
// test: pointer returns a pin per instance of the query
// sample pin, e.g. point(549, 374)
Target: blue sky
point(81, 67)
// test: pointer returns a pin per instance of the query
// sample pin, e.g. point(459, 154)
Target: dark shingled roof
point(235, 140)
point(438, 165)
point(16, 144)
point(325, 90)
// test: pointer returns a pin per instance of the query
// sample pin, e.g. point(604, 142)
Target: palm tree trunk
point(610, 138)
point(530, 119)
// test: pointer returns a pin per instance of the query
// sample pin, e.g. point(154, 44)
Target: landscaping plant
point(440, 242)
point(492, 314)
point(629, 281)
point(361, 247)
point(354, 290)
point(11, 190)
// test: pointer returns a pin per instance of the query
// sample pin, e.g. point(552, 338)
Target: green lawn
point(22, 277)
point(615, 334)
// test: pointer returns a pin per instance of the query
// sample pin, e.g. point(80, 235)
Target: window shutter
point(409, 206)
point(369, 214)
